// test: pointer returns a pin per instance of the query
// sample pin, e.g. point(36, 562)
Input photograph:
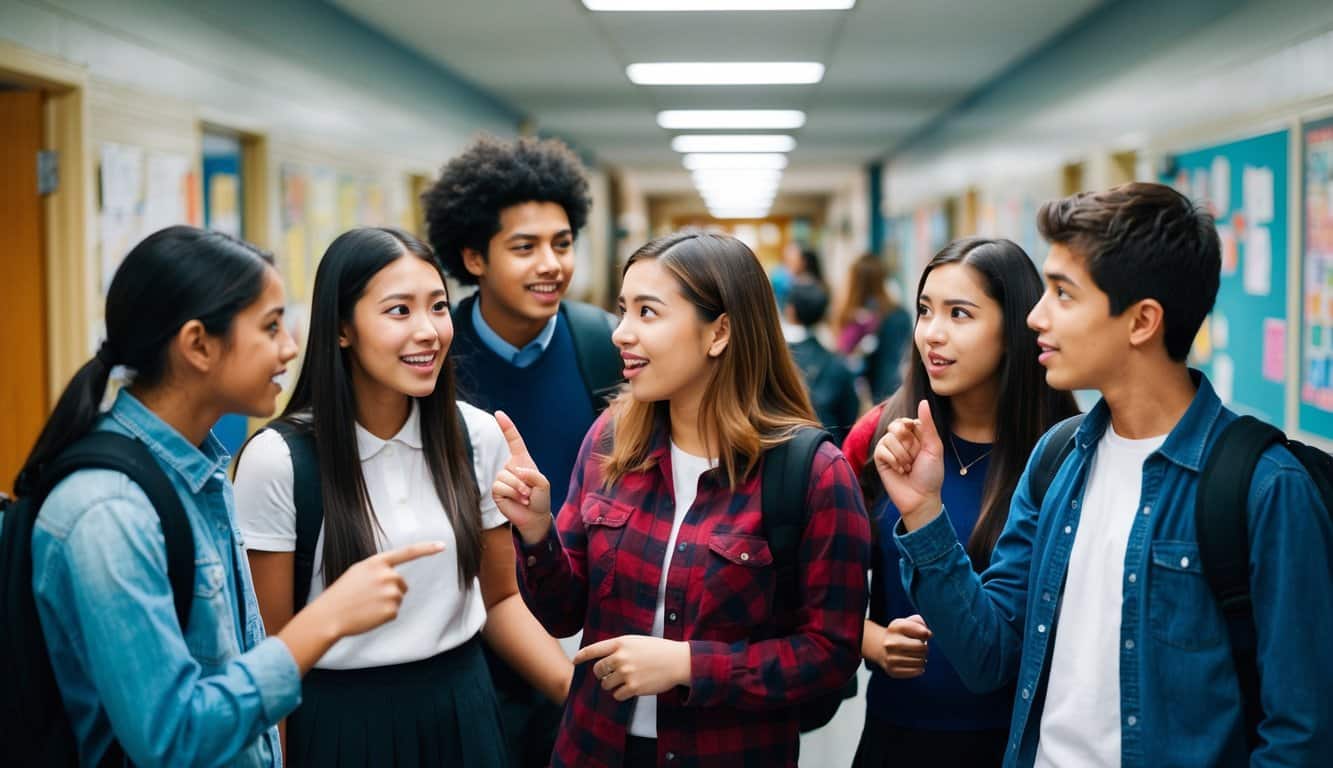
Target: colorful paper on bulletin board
point(294, 256)
point(1315, 411)
point(323, 211)
point(1245, 184)
point(349, 203)
point(1275, 349)
point(121, 219)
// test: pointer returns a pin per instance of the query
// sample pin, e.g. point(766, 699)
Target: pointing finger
point(412, 552)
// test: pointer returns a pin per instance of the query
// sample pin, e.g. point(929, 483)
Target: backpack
point(309, 502)
point(785, 483)
point(37, 727)
point(1221, 525)
point(599, 359)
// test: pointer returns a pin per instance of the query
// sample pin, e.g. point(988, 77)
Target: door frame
point(69, 289)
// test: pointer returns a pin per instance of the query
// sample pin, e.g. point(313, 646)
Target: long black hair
point(323, 400)
point(173, 276)
point(1028, 406)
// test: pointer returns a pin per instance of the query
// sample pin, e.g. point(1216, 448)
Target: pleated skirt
point(439, 711)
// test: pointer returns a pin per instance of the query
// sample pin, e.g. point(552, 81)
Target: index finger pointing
point(517, 448)
point(412, 552)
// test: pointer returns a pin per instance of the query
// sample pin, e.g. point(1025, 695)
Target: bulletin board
point(1242, 345)
point(1315, 412)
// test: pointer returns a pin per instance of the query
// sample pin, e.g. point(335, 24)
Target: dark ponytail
point(173, 276)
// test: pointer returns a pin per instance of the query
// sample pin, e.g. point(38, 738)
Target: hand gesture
point(910, 462)
point(905, 647)
point(369, 593)
point(636, 665)
point(522, 493)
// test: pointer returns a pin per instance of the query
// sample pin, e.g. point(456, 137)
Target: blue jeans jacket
point(209, 696)
point(1179, 700)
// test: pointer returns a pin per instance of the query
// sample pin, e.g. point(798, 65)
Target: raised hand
point(905, 647)
point(522, 493)
point(637, 665)
point(369, 593)
point(910, 462)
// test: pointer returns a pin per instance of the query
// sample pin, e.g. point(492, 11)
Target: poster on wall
point(1242, 344)
point(1316, 384)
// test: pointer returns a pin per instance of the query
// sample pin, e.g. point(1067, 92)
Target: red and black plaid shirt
point(748, 666)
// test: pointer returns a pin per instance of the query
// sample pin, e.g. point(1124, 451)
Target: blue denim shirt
point(208, 697)
point(1179, 700)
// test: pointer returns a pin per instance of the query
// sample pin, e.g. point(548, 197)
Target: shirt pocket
point(739, 579)
point(604, 525)
point(210, 636)
point(1180, 603)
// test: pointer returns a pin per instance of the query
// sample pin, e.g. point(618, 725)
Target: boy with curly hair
point(503, 217)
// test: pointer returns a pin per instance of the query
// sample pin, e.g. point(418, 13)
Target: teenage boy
point(830, 382)
point(503, 217)
point(1095, 601)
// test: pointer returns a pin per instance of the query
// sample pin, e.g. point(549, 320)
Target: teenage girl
point(391, 444)
point(660, 553)
point(197, 318)
point(975, 360)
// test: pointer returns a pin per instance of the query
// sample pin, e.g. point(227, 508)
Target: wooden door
point(23, 352)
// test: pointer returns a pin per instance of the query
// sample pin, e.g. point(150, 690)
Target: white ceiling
point(892, 65)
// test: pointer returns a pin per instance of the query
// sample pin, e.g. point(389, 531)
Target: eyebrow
point(409, 297)
point(953, 302)
point(279, 311)
point(1061, 277)
point(532, 236)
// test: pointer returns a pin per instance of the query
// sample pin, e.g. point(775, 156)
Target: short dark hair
point(1143, 241)
point(809, 300)
point(463, 207)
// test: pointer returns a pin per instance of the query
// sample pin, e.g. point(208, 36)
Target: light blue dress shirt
point(209, 696)
point(520, 358)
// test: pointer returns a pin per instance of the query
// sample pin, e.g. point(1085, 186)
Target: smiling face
point(1083, 346)
point(669, 351)
point(528, 265)
point(958, 331)
point(258, 350)
point(400, 330)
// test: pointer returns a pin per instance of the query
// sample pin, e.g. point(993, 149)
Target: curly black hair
point(463, 207)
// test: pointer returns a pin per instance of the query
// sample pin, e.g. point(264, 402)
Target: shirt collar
point(195, 464)
point(1187, 442)
point(503, 348)
point(793, 333)
point(368, 445)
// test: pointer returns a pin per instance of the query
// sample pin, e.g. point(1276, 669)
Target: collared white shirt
point(436, 614)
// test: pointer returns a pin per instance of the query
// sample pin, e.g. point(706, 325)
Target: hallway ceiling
point(892, 65)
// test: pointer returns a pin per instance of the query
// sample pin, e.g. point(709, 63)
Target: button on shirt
point(209, 696)
point(600, 567)
point(521, 358)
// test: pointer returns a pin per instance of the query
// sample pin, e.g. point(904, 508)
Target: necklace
point(962, 468)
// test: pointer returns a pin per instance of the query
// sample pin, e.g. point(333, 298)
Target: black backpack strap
point(467, 439)
point(119, 453)
point(785, 483)
point(309, 502)
point(1052, 457)
point(1222, 527)
point(599, 359)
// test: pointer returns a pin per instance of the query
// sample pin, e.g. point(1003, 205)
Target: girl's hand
point(635, 665)
point(905, 648)
point(910, 462)
point(522, 493)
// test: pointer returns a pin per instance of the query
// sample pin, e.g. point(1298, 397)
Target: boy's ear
point(1147, 322)
point(474, 262)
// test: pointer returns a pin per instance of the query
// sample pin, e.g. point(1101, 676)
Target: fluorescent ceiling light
point(731, 119)
point(738, 213)
point(726, 73)
point(735, 161)
point(718, 5)
point(708, 142)
point(736, 178)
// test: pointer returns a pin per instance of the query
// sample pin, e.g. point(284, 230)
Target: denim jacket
point(1179, 700)
point(208, 697)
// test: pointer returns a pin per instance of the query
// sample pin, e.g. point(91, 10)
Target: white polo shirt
point(436, 614)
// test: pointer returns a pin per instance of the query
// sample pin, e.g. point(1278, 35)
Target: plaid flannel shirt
point(598, 570)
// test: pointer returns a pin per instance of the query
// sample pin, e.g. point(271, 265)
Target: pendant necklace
point(962, 468)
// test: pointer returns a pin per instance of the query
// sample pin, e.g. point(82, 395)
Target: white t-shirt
point(1080, 723)
point(685, 472)
point(436, 614)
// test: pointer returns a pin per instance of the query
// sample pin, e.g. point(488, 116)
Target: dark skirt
point(434, 712)
point(884, 745)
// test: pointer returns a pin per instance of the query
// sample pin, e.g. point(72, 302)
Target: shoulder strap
point(1058, 448)
point(309, 502)
point(116, 452)
point(785, 483)
point(599, 360)
point(467, 438)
